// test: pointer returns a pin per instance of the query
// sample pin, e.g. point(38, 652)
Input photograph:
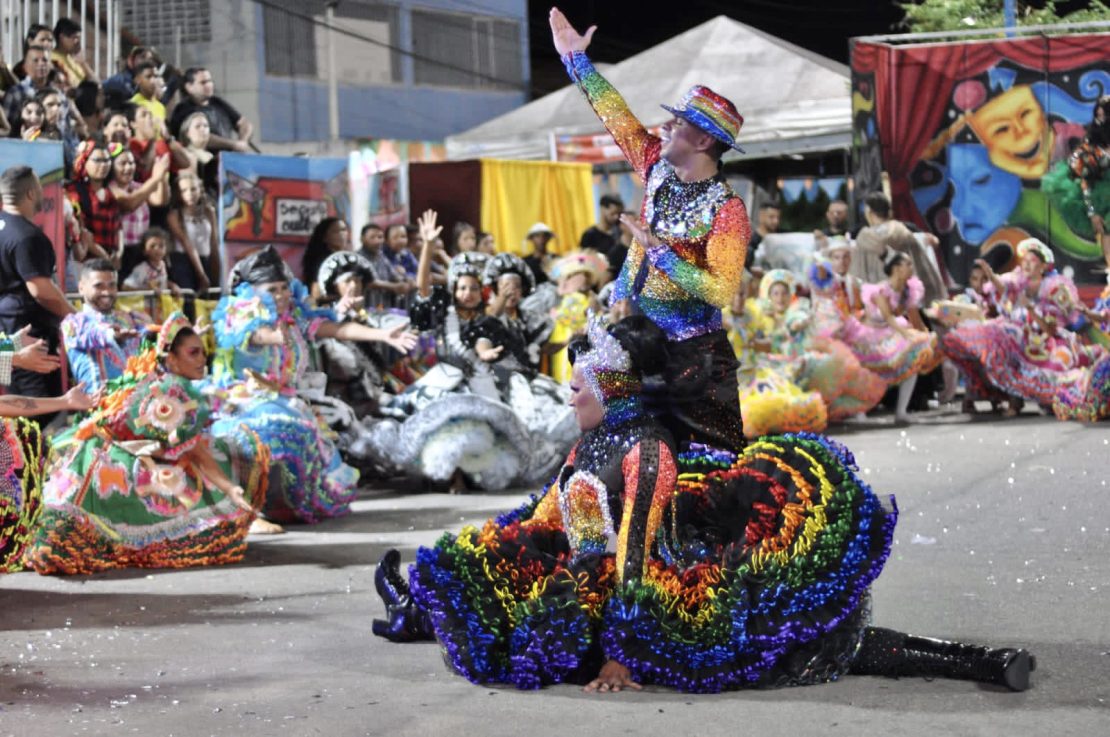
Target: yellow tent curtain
point(517, 194)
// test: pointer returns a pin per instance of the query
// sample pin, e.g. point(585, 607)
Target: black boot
point(406, 622)
point(886, 652)
point(390, 584)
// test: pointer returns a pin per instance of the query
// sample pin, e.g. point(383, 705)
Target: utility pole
point(333, 84)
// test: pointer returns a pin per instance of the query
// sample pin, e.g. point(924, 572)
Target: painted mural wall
point(972, 136)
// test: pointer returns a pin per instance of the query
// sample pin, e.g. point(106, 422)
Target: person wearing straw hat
point(687, 256)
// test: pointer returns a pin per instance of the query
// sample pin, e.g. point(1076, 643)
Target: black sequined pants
point(697, 397)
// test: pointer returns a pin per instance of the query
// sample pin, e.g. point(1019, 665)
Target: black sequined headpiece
point(508, 263)
point(261, 267)
point(343, 262)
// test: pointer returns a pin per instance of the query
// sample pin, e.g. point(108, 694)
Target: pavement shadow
point(274, 552)
point(25, 609)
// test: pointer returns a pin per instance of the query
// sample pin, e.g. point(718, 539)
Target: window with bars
point(155, 21)
point(456, 50)
point(366, 41)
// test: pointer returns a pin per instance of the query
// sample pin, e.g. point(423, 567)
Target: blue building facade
point(410, 69)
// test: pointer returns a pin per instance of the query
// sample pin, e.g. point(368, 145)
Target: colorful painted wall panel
point(968, 133)
point(278, 200)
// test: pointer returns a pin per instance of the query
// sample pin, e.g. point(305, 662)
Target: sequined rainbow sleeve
point(649, 482)
point(724, 258)
point(639, 147)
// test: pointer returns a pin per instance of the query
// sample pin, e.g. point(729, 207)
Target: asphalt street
point(1004, 539)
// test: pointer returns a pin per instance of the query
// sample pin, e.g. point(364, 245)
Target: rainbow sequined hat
point(714, 114)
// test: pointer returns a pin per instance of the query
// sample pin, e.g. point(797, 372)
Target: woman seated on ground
point(1026, 352)
point(263, 331)
point(892, 340)
point(640, 565)
point(354, 370)
point(140, 482)
point(467, 421)
point(802, 379)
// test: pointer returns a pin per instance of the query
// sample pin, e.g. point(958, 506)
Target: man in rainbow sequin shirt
point(687, 258)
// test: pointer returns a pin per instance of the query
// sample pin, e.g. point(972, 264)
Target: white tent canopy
point(793, 100)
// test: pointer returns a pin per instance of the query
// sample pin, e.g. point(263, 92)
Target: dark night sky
point(626, 27)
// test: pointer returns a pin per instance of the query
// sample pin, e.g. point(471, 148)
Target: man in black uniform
point(28, 292)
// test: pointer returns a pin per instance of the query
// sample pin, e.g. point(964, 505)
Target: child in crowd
point(486, 244)
point(153, 271)
point(194, 260)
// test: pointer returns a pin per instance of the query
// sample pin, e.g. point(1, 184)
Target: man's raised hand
point(564, 36)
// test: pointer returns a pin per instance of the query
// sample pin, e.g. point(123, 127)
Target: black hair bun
point(645, 342)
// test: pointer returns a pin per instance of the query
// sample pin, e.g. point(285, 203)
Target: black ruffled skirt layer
point(759, 576)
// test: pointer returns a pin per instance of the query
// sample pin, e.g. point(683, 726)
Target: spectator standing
point(135, 198)
point(146, 95)
point(604, 236)
point(99, 339)
point(330, 235)
point(768, 219)
point(121, 87)
point(883, 232)
point(386, 288)
point(538, 236)
point(397, 250)
point(28, 293)
point(196, 137)
point(194, 261)
point(486, 243)
point(230, 131)
point(30, 125)
point(37, 63)
point(93, 201)
point(67, 56)
point(38, 35)
point(464, 238)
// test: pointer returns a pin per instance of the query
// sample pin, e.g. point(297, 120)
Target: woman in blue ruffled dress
point(264, 331)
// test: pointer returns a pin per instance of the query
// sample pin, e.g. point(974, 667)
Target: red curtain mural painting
point(968, 133)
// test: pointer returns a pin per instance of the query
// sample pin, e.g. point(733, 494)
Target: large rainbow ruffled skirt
point(759, 576)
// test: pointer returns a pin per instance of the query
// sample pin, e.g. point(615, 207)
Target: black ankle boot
point(886, 652)
point(405, 624)
point(405, 621)
point(390, 584)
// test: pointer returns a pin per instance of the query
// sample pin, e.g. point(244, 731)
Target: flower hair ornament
point(777, 276)
point(169, 331)
point(1043, 251)
point(607, 370)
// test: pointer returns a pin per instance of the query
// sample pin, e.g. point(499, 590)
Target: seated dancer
point(354, 371)
point(686, 260)
point(140, 482)
point(482, 415)
point(891, 340)
point(1026, 352)
point(22, 458)
point(100, 338)
point(263, 329)
point(702, 571)
point(802, 378)
point(577, 276)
